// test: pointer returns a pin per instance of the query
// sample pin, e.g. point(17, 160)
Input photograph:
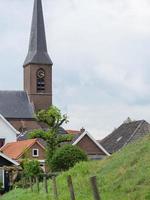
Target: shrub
point(67, 156)
point(31, 168)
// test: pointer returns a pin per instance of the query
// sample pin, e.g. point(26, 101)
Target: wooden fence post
point(37, 183)
point(25, 182)
point(95, 188)
point(71, 189)
point(45, 183)
point(22, 181)
point(55, 187)
point(31, 186)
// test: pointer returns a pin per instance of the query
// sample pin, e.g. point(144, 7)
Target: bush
point(31, 168)
point(67, 156)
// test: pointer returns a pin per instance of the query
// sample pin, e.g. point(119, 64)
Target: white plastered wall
point(7, 132)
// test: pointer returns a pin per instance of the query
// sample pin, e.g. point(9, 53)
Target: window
point(119, 139)
point(35, 152)
point(40, 80)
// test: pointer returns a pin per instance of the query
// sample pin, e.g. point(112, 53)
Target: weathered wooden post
point(25, 182)
point(22, 181)
point(54, 187)
point(95, 188)
point(37, 183)
point(71, 189)
point(31, 186)
point(45, 183)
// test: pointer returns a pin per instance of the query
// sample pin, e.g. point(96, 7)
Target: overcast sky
point(101, 55)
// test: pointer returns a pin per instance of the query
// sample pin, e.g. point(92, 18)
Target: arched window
point(40, 80)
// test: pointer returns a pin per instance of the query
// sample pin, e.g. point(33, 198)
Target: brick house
point(31, 149)
point(82, 139)
point(88, 144)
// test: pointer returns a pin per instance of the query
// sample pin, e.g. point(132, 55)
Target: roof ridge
point(4, 147)
point(105, 138)
point(34, 140)
point(134, 132)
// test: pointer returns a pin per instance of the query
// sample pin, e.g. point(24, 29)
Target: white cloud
point(100, 51)
point(101, 120)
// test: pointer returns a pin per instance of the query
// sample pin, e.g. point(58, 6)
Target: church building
point(19, 107)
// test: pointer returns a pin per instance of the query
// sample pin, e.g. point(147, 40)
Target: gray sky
point(101, 55)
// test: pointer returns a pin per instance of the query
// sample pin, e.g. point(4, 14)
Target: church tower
point(38, 65)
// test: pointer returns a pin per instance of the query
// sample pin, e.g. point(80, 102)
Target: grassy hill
point(123, 176)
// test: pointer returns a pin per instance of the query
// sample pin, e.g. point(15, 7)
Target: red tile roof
point(14, 150)
point(74, 132)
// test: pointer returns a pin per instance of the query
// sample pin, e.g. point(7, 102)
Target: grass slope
point(123, 176)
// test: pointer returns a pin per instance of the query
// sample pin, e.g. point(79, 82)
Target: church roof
point(37, 53)
point(15, 104)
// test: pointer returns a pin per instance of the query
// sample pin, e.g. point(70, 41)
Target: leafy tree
point(53, 118)
point(67, 156)
point(31, 168)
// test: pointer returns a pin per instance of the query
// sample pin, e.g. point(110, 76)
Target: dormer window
point(118, 139)
point(35, 152)
point(40, 80)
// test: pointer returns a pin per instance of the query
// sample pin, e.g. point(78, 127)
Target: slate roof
point(15, 104)
point(126, 133)
point(37, 53)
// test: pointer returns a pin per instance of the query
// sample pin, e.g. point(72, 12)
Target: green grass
point(123, 176)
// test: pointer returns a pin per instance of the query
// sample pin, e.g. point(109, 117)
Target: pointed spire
point(37, 53)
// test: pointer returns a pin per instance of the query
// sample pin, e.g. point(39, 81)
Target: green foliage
point(67, 156)
point(123, 176)
point(38, 134)
point(53, 118)
point(1, 184)
point(31, 168)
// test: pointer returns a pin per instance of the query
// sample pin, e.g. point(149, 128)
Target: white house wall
point(7, 132)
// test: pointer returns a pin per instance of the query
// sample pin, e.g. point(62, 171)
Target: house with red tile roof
point(73, 132)
point(32, 149)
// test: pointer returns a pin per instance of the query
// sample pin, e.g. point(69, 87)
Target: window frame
point(33, 155)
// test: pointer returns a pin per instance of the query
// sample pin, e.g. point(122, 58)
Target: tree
point(31, 168)
point(53, 118)
point(67, 156)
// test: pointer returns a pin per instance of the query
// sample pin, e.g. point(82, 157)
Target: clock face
point(41, 73)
